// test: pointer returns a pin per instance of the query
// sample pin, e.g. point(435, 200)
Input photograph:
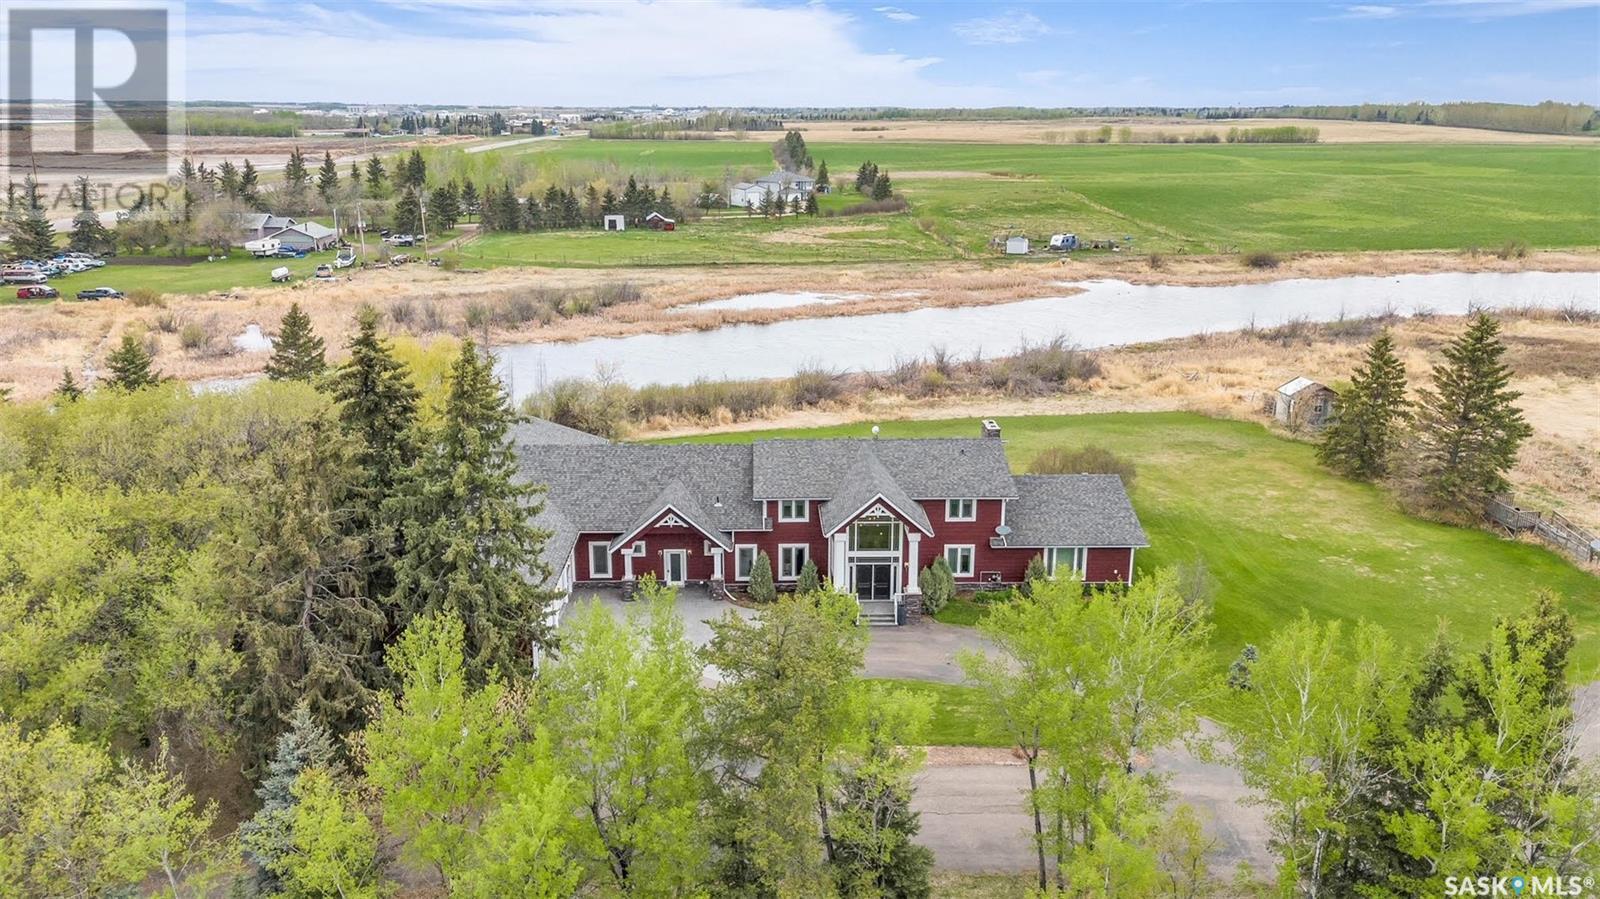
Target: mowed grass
point(1169, 198)
point(962, 715)
point(1281, 535)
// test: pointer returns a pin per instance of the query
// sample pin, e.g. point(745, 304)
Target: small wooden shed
point(658, 222)
point(616, 223)
point(1303, 402)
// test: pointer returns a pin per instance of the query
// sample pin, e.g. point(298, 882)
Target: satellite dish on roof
point(1003, 530)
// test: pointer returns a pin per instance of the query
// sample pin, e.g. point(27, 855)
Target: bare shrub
point(401, 312)
point(598, 406)
point(607, 295)
point(1513, 249)
point(1262, 260)
point(893, 204)
point(1084, 460)
point(192, 337)
point(813, 385)
point(144, 296)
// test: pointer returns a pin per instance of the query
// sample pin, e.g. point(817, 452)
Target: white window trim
point(1080, 558)
point(949, 517)
point(637, 550)
point(593, 574)
point(754, 552)
point(972, 559)
point(803, 547)
point(805, 510)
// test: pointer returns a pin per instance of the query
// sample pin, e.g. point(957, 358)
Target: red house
point(871, 514)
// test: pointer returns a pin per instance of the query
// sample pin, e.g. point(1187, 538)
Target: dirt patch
point(819, 234)
point(935, 175)
point(948, 756)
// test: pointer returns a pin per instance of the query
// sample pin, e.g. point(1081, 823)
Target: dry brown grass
point(1057, 130)
point(1228, 375)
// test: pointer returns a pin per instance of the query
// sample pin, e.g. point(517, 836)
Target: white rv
point(263, 248)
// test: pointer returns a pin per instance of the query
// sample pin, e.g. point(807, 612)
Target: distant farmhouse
point(783, 185)
point(307, 236)
point(258, 225)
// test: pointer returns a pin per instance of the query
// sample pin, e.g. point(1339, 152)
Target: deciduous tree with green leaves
point(777, 720)
point(624, 712)
point(1361, 439)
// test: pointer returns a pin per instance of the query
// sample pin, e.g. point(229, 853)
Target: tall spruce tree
point(470, 546)
point(1468, 431)
point(1361, 438)
point(249, 184)
point(310, 633)
point(88, 234)
point(328, 178)
point(297, 354)
point(377, 179)
point(377, 404)
point(130, 365)
point(32, 235)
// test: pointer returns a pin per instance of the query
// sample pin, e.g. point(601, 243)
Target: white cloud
point(1365, 11)
point(1499, 9)
point(895, 14)
point(1010, 27)
point(561, 52)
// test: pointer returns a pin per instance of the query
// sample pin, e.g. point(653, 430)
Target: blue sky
point(758, 52)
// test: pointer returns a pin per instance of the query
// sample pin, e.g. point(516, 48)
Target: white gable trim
point(671, 517)
point(874, 504)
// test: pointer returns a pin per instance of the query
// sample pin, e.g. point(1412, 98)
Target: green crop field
point(1168, 198)
point(1281, 534)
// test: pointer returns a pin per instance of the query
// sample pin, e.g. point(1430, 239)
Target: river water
point(1107, 313)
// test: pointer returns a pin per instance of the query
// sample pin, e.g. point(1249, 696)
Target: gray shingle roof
point(964, 467)
point(604, 488)
point(680, 500)
point(563, 536)
point(535, 431)
point(1072, 510)
point(864, 481)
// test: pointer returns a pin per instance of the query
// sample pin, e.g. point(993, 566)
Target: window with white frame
point(600, 559)
point(744, 562)
point(637, 550)
point(792, 558)
point(793, 510)
point(959, 558)
point(960, 510)
point(1066, 561)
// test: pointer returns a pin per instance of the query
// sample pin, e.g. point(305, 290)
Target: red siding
point(659, 539)
point(808, 532)
point(1107, 564)
point(582, 552)
point(976, 533)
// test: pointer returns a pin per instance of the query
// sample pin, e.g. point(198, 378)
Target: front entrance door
point(675, 563)
point(874, 581)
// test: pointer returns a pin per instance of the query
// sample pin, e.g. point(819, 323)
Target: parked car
point(401, 240)
point(22, 274)
point(100, 293)
point(37, 293)
point(324, 272)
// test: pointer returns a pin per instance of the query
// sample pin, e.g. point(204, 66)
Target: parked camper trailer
point(1062, 243)
point(263, 248)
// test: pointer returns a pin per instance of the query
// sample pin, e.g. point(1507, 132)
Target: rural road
point(501, 145)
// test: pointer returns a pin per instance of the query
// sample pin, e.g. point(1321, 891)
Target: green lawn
point(961, 717)
point(1280, 534)
point(1196, 198)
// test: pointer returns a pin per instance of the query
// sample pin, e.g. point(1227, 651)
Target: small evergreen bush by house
point(761, 586)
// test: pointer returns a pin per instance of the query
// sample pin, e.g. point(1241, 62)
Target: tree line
point(1450, 447)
